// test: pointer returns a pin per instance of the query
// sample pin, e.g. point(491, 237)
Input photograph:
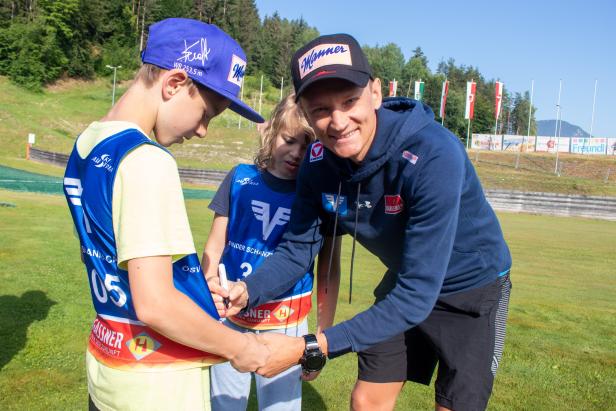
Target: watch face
point(314, 362)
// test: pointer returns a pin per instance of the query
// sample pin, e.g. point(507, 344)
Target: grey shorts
point(464, 334)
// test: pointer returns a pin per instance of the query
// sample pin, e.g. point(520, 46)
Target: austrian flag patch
point(412, 158)
point(393, 204)
point(316, 151)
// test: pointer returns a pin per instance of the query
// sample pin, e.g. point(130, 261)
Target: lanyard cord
point(331, 254)
point(353, 249)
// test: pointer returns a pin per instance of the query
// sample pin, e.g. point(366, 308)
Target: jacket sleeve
point(433, 202)
point(297, 250)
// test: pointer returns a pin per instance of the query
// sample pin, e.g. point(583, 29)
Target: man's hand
point(252, 356)
point(285, 352)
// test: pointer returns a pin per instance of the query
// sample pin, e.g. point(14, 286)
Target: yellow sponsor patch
point(283, 312)
point(142, 345)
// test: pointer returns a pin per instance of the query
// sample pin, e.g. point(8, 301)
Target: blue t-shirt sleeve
point(220, 202)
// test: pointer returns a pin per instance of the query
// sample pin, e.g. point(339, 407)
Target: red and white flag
point(471, 87)
point(393, 88)
point(498, 99)
point(444, 93)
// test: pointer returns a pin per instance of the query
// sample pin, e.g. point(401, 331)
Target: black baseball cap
point(329, 56)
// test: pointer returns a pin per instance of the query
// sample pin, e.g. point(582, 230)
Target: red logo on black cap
point(325, 72)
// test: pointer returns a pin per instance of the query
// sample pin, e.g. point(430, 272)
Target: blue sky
point(514, 41)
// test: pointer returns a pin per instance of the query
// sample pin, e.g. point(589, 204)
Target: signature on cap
point(190, 54)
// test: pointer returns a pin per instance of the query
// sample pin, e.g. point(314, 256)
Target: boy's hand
point(218, 295)
point(252, 356)
point(309, 376)
point(285, 353)
point(238, 297)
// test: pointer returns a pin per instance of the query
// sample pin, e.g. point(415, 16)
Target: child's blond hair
point(287, 114)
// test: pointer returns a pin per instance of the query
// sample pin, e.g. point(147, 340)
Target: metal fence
point(191, 175)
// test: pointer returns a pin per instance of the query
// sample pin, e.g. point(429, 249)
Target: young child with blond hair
point(252, 207)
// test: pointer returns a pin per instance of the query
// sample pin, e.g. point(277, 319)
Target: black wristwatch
point(313, 358)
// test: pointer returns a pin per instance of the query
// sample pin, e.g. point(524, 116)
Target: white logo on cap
point(192, 53)
point(324, 55)
point(236, 71)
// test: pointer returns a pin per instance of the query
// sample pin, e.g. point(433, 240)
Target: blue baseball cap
point(207, 54)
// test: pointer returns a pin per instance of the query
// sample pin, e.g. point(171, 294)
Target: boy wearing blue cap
point(156, 330)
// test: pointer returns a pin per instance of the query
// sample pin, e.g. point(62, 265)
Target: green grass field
point(560, 349)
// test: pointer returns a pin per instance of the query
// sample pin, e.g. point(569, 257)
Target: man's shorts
point(464, 334)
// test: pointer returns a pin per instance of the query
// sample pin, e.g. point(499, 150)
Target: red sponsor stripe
point(273, 315)
point(130, 346)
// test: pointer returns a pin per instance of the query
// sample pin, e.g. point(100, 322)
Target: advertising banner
point(512, 142)
point(611, 146)
point(595, 145)
point(487, 142)
point(548, 144)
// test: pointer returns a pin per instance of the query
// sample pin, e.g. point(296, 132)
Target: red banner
point(444, 93)
point(471, 88)
point(498, 99)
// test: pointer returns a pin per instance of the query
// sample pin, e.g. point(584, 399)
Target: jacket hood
point(398, 119)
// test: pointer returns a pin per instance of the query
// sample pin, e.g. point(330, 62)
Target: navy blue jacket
point(420, 208)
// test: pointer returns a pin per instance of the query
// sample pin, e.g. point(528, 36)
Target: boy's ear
point(173, 81)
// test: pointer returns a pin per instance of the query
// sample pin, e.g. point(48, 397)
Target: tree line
point(42, 41)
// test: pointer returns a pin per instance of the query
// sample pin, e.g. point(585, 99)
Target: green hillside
point(60, 112)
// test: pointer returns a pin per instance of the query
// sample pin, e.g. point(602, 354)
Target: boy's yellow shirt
point(149, 215)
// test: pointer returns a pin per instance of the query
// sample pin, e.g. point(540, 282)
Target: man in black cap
point(402, 185)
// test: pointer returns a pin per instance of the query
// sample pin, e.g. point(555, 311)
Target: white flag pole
point(239, 122)
point(530, 111)
point(468, 133)
point(496, 113)
point(442, 110)
point(556, 128)
point(281, 85)
point(592, 119)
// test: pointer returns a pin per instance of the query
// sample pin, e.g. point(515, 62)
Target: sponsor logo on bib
point(142, 345)
point(331, 203)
